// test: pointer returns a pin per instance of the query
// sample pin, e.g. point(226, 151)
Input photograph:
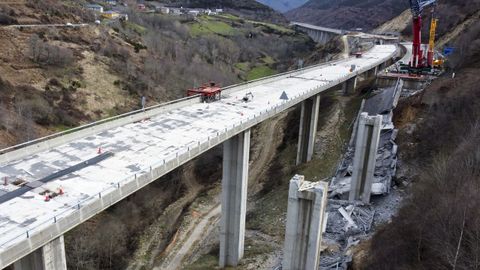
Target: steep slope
point(283, 5)
point(58, 77)
point(437, 227)
point(347, 14)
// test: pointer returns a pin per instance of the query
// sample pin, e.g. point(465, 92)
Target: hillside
point(283, 5)
point(55, 78)
point(437, 226)
point(250, 9)
point(347, 14)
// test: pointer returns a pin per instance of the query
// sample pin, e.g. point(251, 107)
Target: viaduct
point(86, 170)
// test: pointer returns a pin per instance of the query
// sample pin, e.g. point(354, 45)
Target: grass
point(268, 60)
point(275, 27)
point(229, 17)
point(243, 66)
point(61, 127)
point(210, 26)
point(207, 261)
point(260, 72)
point(136, 28)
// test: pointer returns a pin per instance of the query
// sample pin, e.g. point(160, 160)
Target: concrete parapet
point(308, 129)
point(234, 198)
point(307, 202)
point(49, 257)
point(368, 135)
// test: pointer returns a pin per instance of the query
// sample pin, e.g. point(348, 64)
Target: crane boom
point(417, 7)
point(431, 43)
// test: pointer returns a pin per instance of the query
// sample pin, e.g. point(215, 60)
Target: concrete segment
point(308, 129)
point(368, 135)
point(305, 223)
point(49, 257)
point(234, 198)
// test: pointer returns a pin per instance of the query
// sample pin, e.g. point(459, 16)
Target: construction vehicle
point(209, 92)
point(420, 64)
point(248, 97)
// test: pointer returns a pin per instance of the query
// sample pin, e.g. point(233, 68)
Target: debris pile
point(382, 104)
point(347, 224)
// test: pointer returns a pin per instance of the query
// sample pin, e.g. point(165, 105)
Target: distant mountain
point(283, 5)
point(348, 14)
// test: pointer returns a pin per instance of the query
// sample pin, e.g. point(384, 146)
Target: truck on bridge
point(209, 92)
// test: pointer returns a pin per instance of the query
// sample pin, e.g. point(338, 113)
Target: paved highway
point(86, 178)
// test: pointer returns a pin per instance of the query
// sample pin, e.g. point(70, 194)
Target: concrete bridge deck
point(145, 147)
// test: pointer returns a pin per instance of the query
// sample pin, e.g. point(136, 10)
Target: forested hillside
point(283, 5)
point(58, 77)
point(347, 14)
point(437, 228)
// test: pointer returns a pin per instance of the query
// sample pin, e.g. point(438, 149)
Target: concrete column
point(305, 220)
point(368, 136)
point(308, 129)
point(349, 86)
point(234, 198)
point(371, 73)
point(49, 257)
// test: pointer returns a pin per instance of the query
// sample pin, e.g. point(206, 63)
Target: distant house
point(155, 5)
point(194, 13)
point(111, 2)
point(165, 10)
point(141, 6)
point(219, 10)
point(95, 7)
point(175, 11)
point(111, 14)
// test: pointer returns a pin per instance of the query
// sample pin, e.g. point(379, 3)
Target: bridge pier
point(372, 73)
point(308, 129)
point(349, 86)
point(234, 198)
point(49, 257)
point(368, 136)
point(305, 224)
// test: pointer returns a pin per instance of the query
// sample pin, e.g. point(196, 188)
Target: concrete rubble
point(383, 104)
point(349, 223)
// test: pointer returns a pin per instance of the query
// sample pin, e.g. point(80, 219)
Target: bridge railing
point(46, 142)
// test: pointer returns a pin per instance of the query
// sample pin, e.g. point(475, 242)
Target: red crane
point(417, 6)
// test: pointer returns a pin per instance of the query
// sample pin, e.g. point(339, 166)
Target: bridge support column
point(305, 224)
point(308, 129)
point(349, 86)
point(371, 73)
point(368, 136)
point(49, 257)
point(234, 198)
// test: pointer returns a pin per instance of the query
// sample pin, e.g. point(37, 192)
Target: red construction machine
point(209, 92)
point(419, 62)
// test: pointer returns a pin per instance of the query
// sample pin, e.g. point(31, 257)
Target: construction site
point(305, 169)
